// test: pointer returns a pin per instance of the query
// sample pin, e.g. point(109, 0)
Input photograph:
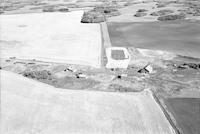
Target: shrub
point(48, 9)
point(63, 10)
point(39, 75)
point(140, 14)
point(162, 12)
point(142, 10)
point(92, 17)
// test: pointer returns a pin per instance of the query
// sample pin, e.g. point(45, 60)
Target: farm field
point(186, 113)
point(51, 37)
point(30, 106)
point(53, 66)
point(179, 37)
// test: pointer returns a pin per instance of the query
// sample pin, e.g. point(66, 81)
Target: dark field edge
point(157, 22)
point(187, 58)
point(168, 115)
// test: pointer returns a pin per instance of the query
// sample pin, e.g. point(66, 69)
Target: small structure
point(146, 70)
point(118, 57)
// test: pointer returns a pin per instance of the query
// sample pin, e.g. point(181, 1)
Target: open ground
point(39, 40)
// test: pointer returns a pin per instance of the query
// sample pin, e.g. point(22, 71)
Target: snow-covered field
point(28, 106)
point(51, 37)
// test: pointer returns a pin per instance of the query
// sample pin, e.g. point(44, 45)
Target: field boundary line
point(167, 115)
point(105, 35)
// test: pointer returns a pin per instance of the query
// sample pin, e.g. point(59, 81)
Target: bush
point(92, 17)
point(107, 11)
point(48, 9)
point(63, 10)
point(87, 18)
point(162, 12)
point(142, 10)
point(39, 75)
point(140, 14)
